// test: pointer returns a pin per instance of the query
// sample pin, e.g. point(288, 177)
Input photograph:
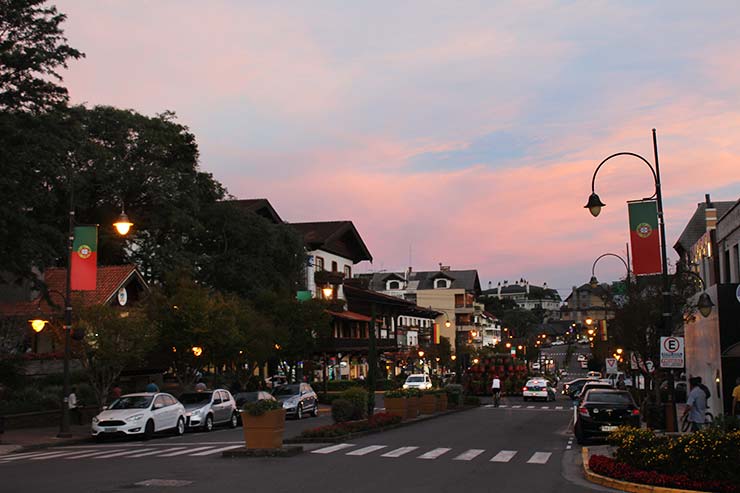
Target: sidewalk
point(36, 438)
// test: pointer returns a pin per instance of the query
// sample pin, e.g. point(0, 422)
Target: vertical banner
point(84, 258)
point(644, 237)
point(604, 335)
point(435, 333)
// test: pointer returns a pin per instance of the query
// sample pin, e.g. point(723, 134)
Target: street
point(516, 447)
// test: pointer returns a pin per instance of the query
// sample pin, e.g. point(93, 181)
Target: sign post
point(672, 352)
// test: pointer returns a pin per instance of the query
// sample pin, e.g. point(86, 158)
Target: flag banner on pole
point(604, 335)
point(84, 258)
point(435, 333)
point(644, 237)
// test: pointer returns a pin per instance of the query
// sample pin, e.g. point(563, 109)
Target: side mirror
point(104, 408)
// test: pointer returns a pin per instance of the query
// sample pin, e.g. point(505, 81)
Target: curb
point(244, 452)
point(42, 446)
point(618, 484)
point(402, 424)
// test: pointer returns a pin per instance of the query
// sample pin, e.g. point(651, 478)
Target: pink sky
point(466, 134)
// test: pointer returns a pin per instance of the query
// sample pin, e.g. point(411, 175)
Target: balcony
point(352, 344)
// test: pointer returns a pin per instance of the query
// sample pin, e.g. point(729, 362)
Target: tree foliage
point(32, 50)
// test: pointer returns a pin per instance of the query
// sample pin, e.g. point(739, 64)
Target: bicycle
point(496, 398)
point(686, 424)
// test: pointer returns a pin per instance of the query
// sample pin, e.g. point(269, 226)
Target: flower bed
point(376, 421)
point(606, 466)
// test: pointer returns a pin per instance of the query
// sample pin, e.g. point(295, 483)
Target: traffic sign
point(672, 352)
point(633, 361)
point(649, 366)
point(611, 366)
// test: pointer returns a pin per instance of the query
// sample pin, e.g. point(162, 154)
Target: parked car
point(535, 365)
point(209, 408)
point(594, 374)
point(418, 381)
point(558, 343)
point(276, 381)
point(140, 414)
point(602, 411)
point(570, 388)
point(242, 398)
point(538, 388)
point(581, 393)
point(297, 399)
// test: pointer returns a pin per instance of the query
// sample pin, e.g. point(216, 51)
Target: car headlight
point(405, 386)
point(95, 420)
point(195, 413)
point(134, 418)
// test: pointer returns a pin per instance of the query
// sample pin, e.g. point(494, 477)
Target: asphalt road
point(517, 447)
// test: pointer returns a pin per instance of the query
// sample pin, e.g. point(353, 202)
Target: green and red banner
point(435, 333)
point(644, 237)
point(84, 258)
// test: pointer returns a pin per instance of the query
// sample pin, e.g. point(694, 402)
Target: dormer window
point(393, 285)
point(441, 284)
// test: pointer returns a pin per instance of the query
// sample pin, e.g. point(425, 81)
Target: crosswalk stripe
point(515, 407)
point(51, 456)
point(214, 451)
point(146, 454)
point(488, 405)
point(469, 454)
point(545, 407)
point(366, 450)
point(504, 456)
point(539, 458)
point(433, 454)
point(92, 453)
point(558, 407)
point(503, 405)
point(186, 451)
point(399, 452)
point(332, 448)
point(530, 407)
point(27, 455)
point(119, 454)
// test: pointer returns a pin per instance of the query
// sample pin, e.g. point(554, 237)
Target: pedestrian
point(74, 412)
point(696, 405)
point(151, 386)
point(200, 386)
point(736, 398)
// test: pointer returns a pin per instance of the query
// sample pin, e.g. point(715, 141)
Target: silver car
point(209, 408)
point(297, 399)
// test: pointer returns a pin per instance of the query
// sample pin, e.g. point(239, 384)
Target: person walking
point(74, 412)
point(496, 390)
point(696, 404)
point(735, 410)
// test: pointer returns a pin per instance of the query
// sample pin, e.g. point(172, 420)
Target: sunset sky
point(464, 132)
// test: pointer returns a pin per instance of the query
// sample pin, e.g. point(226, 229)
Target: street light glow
point(123, 225)
point(197, 350)
point(38, 324)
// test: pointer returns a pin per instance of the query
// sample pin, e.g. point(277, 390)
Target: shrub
point(394, 394)
point(342, 410)
point(376, 421)
point(357, 396)
point(412, 393)
point(261, 407)
point(471, 400)
point(454, 394)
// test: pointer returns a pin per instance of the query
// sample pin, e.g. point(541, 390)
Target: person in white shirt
point(74, 413)
point(496, 390)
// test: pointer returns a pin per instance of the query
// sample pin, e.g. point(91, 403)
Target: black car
point(601, 411)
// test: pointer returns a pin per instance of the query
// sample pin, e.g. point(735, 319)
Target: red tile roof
point(109, 280)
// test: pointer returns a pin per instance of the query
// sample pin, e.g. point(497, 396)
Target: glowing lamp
point(123, 225)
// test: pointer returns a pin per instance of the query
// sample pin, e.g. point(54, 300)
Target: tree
point(114, 339)
point(32, 50)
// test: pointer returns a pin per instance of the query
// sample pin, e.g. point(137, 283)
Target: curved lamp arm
point(704, 304)
point(594, 282)
point(594, 202)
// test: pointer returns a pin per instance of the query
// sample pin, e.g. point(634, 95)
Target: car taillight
point(583, 411)
point(524, 389)
point(635, 412)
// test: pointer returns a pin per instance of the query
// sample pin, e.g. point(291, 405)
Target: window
point(334, 266)
point(394, 285)
point(347, 272)
point(440, 284)
point(319, 264)
point(459, 300)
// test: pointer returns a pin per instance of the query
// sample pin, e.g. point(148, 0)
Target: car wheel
point(234, 420)
point(180, 428)
point(299, 412)
point(315, 410)
point(149, 430)
point(208, 423)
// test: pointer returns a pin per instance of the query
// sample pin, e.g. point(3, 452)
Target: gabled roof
point(697, 225)
point(337, 237)
point(261, 207)
point(110, 279)
point(393, 276)
point(461, 279)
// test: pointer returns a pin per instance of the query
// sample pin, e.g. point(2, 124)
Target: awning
point(346, 315)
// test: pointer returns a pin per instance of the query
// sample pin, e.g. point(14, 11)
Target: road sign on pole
point(611, 366)
point(672, 352)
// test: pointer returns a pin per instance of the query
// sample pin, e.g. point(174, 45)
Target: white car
point(419, 381)
point(140, 414)
point(538, 388)
point(535, 366)
point(558, 343)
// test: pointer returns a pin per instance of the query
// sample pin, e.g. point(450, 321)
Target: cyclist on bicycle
point(496, 390)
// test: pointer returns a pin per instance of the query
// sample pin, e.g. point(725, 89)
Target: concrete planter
point(428, 404)
point(396, 406)
point(265, 431)
point(441, 402)
point(412, 407)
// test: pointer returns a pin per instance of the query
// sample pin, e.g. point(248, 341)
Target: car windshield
point(415, 379)
point(243, 397)
point(286, 390)
point(608, 397)
point(132, 402)
point(196, 398)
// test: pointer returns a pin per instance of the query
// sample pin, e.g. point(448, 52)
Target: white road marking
point(489, 405)
point(568, 447)
point(25, 455)
point(530, 407)
point(558, 407)
point(545, 407)
point(214, 451)
point(470, 454)
point(515, 407)
point(93, 453)
point(539, 458)
point(145, 454)
point(186, 451)
point(119, 454)
point(504, 456)
point(366, 450)
point(503, 405)
point(433, 454)
point(399, 452)
point(51, 456)
point(333, 448)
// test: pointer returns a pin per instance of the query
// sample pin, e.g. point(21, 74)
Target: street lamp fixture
point(519, 348)
point(448, 323)
point(123, 225)
point(620, 350)
point(589, 321)
point(328, 292)
point(594, 204)
point(590, 332)
point(38, 324)
point(197, 350)
point(705, 305)
point(421, 353)
point(453, 357)
point(475, 361)
point(508, 345)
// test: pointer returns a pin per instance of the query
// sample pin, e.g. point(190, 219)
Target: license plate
point(608, 428)
point(109, 430)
